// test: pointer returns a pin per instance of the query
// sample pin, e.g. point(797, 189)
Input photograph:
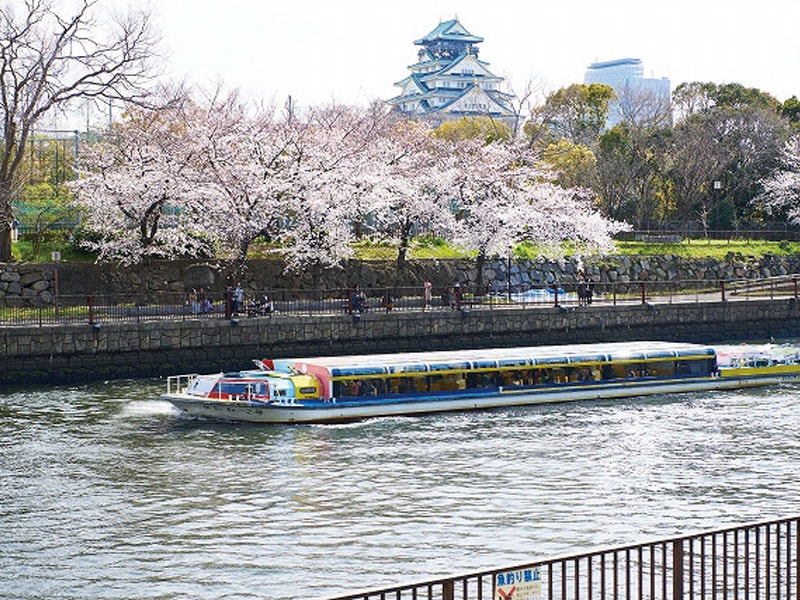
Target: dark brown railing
point(96, 309)
point(747, 562)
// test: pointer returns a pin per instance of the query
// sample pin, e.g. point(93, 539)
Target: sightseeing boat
point(345, 388)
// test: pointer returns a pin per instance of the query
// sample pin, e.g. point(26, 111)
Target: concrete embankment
point(79, 353)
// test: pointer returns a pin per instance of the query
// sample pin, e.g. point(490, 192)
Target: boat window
point(485, 379)
point(242, 388)
point(552, 360)
point(637, 369)
point(612, 371)
point(454, 381)
point(514, 362)
point(449, 366)
point(201, 386)
point(484, 364)
point(359, 387)
point(695, 367)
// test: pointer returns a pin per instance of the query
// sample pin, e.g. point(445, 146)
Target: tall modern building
point(638, 98)
point(449, 81)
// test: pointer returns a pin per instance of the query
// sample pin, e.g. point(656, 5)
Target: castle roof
point(449, 31)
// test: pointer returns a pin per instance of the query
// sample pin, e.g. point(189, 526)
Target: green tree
point(575, 165)
point(790, 109)
point(474, 128)
point(630, 175)
point(577, 113)
point(698, 157)
point(727, 133)
point(43, 208)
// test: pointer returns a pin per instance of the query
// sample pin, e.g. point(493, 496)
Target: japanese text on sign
point(519, 585)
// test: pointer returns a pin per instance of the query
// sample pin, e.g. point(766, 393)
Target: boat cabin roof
point(500, 358)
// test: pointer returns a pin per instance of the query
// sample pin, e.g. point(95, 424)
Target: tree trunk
point(480, 261)
point(6, 218)
point(241, 258)
point(405, 238)
point(316, 277)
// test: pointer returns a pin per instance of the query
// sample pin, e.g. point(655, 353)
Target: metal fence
point(747, 562)
point(676, 232)
point(96, 309)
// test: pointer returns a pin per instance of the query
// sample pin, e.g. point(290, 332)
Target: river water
point(106, 493)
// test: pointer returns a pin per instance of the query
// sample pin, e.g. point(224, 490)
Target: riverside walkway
point(97, 308)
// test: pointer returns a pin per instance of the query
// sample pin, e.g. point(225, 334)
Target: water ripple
point(105, 493)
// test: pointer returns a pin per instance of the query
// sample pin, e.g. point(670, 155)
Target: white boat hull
point(332, 411)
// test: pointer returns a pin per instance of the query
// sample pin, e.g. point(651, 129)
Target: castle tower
point(449, 81)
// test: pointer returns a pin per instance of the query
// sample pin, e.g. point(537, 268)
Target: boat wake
point(141, 409)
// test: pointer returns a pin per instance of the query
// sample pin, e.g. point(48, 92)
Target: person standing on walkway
point(427, 288)
point(194, 304)
point(238, 297)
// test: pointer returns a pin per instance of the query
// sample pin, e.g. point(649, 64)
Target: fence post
point(677, 570)
point(448, 590)
point(555, 294)
point(90, 304)
point(644, 295)
point(722, 289)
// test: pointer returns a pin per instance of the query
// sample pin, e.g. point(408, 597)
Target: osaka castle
point(449, 81)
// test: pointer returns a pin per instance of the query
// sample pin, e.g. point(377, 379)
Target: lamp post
point(508, 272)
point(56, 256)
point(717, 187)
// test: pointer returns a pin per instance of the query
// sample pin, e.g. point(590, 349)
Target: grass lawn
point(429, 249)
point(718, 249)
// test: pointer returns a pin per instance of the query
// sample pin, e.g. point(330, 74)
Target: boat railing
point(179, 384)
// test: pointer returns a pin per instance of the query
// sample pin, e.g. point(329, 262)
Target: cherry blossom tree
point(558, 215)
point(505, 197)
point(222, 173)
point(52, 56)
point(137, 190)
point(246, 165)
point(782, 189)
point(332, 181)
point(414, 178)
point(491, 207)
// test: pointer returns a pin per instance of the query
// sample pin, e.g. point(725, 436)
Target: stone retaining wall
point(75, 353)
point(35, 284)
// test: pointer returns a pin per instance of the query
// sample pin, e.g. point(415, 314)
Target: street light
point(508, 271)
point(716, 187)
point(56, 256)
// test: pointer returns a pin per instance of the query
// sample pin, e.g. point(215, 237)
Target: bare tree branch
point(51, 57)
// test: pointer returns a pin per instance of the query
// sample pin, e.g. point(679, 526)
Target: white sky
point(353, 51)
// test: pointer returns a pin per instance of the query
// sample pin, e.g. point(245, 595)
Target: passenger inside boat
point(444, 379)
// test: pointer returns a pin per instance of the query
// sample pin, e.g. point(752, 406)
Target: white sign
point(525, 584)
